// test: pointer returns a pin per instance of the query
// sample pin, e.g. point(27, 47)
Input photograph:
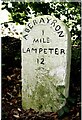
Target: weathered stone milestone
point(46, 56)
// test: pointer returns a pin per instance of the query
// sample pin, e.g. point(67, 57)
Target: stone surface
point(46, 56)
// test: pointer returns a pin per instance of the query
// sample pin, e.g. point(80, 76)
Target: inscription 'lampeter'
point(55, 51)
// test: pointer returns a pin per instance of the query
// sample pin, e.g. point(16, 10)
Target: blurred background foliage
point(68, 12)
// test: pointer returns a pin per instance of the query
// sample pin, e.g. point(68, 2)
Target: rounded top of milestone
point(46, 22)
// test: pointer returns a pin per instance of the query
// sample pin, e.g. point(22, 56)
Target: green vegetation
point(70, 14)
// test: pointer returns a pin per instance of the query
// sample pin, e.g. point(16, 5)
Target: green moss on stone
point(46, 96)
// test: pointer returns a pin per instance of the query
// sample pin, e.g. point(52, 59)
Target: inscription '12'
point(40, 61)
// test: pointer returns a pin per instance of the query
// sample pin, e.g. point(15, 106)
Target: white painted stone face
point(46, 56)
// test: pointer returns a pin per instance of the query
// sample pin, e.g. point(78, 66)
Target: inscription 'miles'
point(46, 64)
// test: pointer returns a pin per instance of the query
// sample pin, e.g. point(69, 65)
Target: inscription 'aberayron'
point(46, 56)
